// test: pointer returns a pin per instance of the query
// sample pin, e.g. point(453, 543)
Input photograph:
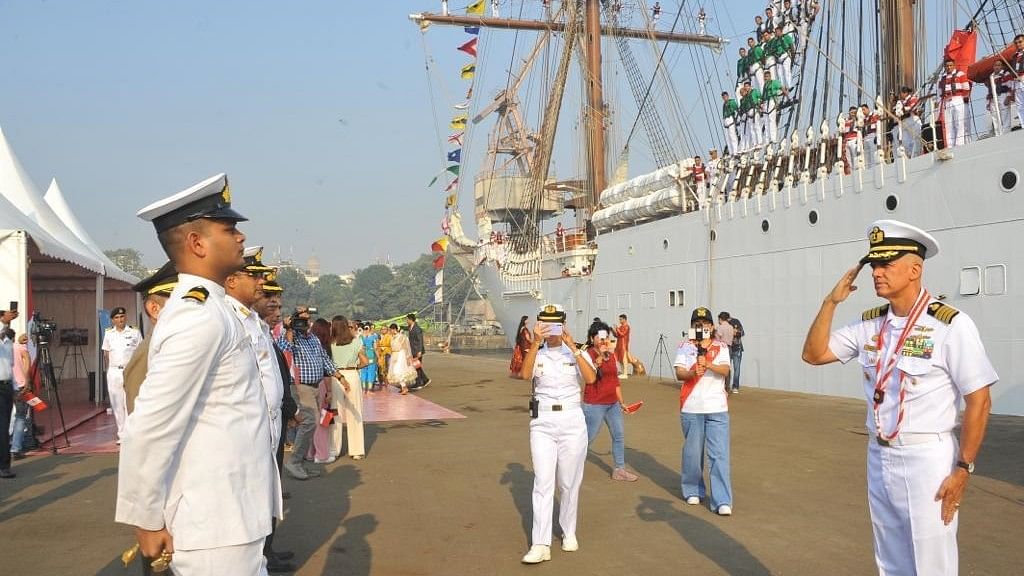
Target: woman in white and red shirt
point(602, 400)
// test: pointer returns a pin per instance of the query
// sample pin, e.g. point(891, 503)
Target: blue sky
point(318, 111)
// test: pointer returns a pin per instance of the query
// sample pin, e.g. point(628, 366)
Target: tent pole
point(99, 390)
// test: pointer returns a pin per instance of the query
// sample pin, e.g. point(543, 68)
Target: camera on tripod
point(42, 329)
point(300, 324)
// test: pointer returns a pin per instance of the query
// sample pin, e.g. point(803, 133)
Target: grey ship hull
point(774, 281)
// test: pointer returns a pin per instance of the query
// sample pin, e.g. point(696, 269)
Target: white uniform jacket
point(188, 460)
point(270, 374)
point(941, 360)
point(120, 345)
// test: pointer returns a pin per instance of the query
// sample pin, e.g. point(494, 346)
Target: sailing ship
point(767, 232)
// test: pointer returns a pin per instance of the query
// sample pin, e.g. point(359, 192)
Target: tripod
point(661, 356)
point(45, 369)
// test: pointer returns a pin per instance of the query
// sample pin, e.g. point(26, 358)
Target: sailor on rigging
point(851, 139)
point(730, 110)
point(771, 100)
point(869, 131)
point(906, 109)
point(1018, 72)
point(955, 88)
point(999, 97)
point(750, 109)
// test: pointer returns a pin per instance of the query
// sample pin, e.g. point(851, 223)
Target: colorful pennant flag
point(462, 106)
point(476, 7)
point(439, 261)
point(456, 138)
point(439, 282)
point(451, 186)
point(472, 29)
point(455, 155)
point(440, 245)
point(432, 181)
point(468, 71)
point(448, 203)
point(445, 225)
point(469, 47)
point(454, 169)
point(459, 122)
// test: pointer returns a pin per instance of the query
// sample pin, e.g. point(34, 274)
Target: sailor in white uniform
point(197, 477)
point(919, 357)
point(119, 343)
point(558, 431)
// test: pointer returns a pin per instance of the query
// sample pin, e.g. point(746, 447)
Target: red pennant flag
point(469, 47)
point(439, 262)
point(326, 416)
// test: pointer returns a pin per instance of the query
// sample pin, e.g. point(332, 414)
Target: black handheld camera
point(300, 324)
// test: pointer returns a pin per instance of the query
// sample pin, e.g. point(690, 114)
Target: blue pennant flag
point(455, 155)
point(472, 29)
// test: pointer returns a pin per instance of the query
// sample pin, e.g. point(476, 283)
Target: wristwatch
point(969, 466)
point(578, 353)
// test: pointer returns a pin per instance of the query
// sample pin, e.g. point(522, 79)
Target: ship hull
point(774, 280)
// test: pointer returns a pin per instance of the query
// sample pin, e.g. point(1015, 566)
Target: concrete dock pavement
point(452, 496)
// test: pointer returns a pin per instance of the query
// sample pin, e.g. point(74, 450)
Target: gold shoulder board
point(875, 312)
point(199, 294)
point(942, 312)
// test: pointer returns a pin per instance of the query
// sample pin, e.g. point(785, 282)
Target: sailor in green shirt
point(771, 101)
point(730, 110)
point(750, 109)
point(783, 49)
point(755, 61)
point(741, 69)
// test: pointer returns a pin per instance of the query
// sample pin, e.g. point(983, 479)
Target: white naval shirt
point(556, 375)
point(940, 362)
point(270, 375)
point(120, 345)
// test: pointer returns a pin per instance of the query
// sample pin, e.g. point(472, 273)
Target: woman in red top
point(523, 342)
point(622, 349)
point(602, 400)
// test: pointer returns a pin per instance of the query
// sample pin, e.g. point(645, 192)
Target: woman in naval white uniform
point(558, 433)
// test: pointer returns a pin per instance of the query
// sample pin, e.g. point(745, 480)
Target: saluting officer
point(919, 357)
point(558, 431)
point(119, 343)
point(197, 476)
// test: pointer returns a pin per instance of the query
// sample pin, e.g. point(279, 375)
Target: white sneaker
point(693, 500)
point(296, 471)
point(725, 510)
point(569, 544)
point(328, 460)
point(537, 554)
point(735, 390)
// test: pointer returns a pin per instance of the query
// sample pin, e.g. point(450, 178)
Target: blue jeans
point(611, 414)
point(20, 427)
point(706, 433)
point(734, 359)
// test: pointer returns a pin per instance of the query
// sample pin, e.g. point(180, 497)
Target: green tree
point(327, 294)
point(129, 260)
point(296, 290)
point(373, 285)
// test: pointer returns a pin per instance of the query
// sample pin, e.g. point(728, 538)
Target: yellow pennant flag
point(468, 71)
point(476, 8)
point(450, 201)
point(459, 122)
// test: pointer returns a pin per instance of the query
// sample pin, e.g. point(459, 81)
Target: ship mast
point(898, 55)
point(595, 112)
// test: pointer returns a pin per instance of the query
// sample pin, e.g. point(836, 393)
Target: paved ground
point(453, 496)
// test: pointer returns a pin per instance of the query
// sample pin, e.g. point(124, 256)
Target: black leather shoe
point(7, 474)
point(275, 565)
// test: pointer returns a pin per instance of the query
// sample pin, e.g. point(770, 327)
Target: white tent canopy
point(55, 199)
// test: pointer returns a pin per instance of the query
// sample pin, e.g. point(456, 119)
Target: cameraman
point(702, 364)
point(314, 364)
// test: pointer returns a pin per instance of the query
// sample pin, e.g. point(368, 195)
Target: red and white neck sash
point(887, 364)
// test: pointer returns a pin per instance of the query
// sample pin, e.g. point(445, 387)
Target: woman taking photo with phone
point(602, 400)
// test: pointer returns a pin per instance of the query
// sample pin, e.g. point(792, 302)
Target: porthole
point(891, 202)
point(812, 217)
point(1009, 180)
point(765, 226)
point(664, 244)
point(714, 235)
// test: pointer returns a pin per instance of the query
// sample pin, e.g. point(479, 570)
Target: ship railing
point(564, 240)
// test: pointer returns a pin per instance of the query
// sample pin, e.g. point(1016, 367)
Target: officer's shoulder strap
point(875, 312)
point(197, 293)
point(942, 312)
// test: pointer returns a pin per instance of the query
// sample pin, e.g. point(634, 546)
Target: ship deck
point(440, 495)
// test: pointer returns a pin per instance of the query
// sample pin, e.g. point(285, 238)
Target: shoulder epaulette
point(199, 294)
point(875, 312)
point(942, 312)
point(109, 329)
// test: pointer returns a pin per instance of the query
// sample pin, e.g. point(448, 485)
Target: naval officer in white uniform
point(197, 476)
point(119, 343)
point(558, 431)
point(918, 357)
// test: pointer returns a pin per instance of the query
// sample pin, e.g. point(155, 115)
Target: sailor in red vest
point(700, 176)
point(1000, 97)
point(1018, 72)
point(851, 140)
point(954, 88)
point(909, 127)
point(870, 132)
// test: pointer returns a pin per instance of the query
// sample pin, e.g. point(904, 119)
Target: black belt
point(311, 385)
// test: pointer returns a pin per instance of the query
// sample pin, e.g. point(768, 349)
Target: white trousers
point(757, 74)
point(870, 150)
point(911, 135)
point(118, 399)
point(558, 446)
point(350, 410)
point(953, 121)
point(1018, 99)
point(909, 536)
point(851, 153)
point(240, 560)
point(771, 122)
point(784, 68)
point(752, 130)
point(731, 138)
